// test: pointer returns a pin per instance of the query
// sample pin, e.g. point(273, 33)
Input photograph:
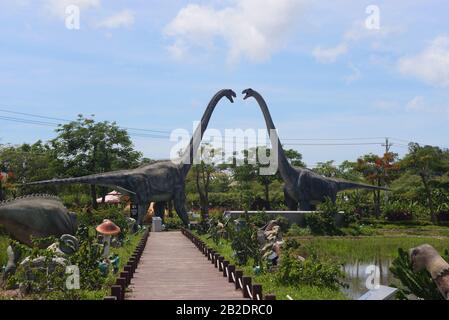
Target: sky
point(338, 76)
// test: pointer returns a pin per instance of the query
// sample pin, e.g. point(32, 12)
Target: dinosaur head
point(248, 93)
point(230, 95)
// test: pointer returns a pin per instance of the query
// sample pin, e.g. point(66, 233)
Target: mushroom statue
point(108, 229)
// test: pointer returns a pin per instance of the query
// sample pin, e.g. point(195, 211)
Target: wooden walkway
point(172, 268)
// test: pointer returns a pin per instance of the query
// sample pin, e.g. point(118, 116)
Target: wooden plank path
point(172, 268)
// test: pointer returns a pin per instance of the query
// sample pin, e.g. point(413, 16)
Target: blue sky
point(155, 65)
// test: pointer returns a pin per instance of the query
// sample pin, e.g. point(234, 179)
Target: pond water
point(357, 274)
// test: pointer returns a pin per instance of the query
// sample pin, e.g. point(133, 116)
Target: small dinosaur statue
point(426, 257)
point(36, 216)
point(302, 186)
point(157, 182)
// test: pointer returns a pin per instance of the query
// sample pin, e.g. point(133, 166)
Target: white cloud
point(416, 104)
point(329, 55)
point(124, 18)
point(357, 32)
point(58, 7)
point(431, 65)
point(251, 29)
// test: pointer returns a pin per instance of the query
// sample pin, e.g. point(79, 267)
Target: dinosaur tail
point(104, 179)
point(348, 185)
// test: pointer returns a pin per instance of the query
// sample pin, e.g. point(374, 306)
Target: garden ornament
point(36, 216)
point(156, 182)
point(426, 257)
point(108, 229)
point(302, 187)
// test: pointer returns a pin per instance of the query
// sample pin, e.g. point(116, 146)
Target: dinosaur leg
point(305, 206)
point(141, 212)
point(159, 208)
point(291, 203)
point(179, 202)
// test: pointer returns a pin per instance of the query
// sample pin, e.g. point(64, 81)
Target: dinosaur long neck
point(287, 172)
point(190, 152)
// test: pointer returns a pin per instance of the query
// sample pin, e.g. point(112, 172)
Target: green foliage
point(297, 231)
point(322, 222)
point(419, 284)
point(259, 219)
point(283, 223)
point(173, 223)
point(311, 271)
point(244, 242)
point(398, 210)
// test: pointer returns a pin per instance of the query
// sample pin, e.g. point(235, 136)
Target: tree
point(24, 163)
point(379, 171)
point(85, 147)
point(295, 158)
point(427, 162)
point(327, 169)
point(203, 173)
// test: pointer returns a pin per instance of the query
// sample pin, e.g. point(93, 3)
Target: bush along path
point(243, 283)
point(118, 290)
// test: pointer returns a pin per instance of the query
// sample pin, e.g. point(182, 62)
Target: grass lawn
point(271, 287)
point(350, 249)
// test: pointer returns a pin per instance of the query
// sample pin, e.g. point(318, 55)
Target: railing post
point(246, 281)
point(122, 283)
point(220, 261)
point(225, 267)
point(257, 292)
point(216, 256)
point(125, 275)
point(231, 269)
point(270, 297)
point(116, 291)
point(238, 275)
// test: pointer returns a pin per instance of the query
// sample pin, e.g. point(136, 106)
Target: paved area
point(172, 268)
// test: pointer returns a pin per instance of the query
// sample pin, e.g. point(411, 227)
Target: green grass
point(345, 249)
point(270, 286)
point(4, 242)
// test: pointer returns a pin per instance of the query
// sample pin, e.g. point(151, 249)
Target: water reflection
point(356, 276)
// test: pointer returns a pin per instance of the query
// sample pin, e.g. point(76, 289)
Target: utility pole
point(387, 146)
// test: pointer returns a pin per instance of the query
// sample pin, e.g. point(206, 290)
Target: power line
point(162, 134)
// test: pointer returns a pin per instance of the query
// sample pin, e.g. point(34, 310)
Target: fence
point(245, 284)
point(124, 279)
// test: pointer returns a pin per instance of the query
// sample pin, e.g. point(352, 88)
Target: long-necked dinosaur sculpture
point(301, 186)
point(156, 182)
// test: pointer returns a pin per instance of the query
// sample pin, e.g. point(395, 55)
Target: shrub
point(297, 231)
point(173, 223)
point(244, 242)
point(283, 223)
point(293, 272)
point(398, 211)
point(259, 219)
point(322, 222)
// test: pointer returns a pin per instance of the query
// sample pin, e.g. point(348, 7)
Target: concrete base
point(297, 217)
